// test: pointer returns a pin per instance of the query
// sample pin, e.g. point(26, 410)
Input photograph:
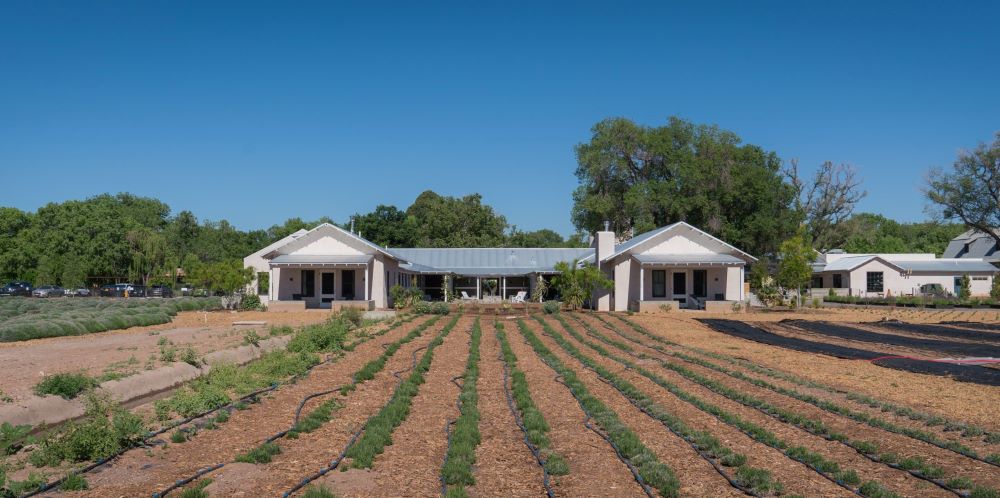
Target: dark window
point(659, 283)
point(817, 282)
point(308, 283)
point(327, 284)
point(700, 282)
point(838, 281)
point(680, 283)
point(875, 281)
point(347, 284)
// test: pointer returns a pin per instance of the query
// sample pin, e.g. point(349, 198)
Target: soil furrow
point(505, 466)
point(141, 472)
point(594, 469)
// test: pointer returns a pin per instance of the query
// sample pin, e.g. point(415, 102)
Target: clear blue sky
point(260, 111)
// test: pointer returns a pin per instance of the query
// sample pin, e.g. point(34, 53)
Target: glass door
point(680, 287)
point(700, 283)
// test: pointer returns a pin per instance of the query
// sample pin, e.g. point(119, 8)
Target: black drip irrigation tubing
point(447, 432)
point(586, 422)
point(278, 435)
point(964, 373)
point(520, 423)
point(959, 330)
point(939, 482)
point(340, 457)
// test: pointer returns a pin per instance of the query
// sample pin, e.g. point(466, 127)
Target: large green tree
point(445, 221)
point(970, 191)
point(387, 226)
point(641, 177)
point(874, 233)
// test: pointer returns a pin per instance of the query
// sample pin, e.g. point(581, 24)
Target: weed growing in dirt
point(178, 437)
point(533, 420)
point(73, 482)
point(979, 492)
point(260, 454)
point(198, 490)
point(315, 418)
point(222, 417)
point(67, 385)
point(757, 480)
point(105, 429)
point(13, 437)
point(318, 492)
point(465, 437)
point(11, 489)
point(960, 482)
point(251, 338)
point(378, 430)
point(872, 489)
point(190, 357)
point(656, 473)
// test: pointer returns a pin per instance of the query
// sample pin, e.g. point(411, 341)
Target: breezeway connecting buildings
point(329, 267)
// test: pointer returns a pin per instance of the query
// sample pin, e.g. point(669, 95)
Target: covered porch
point(320, 282)
point(709, 282)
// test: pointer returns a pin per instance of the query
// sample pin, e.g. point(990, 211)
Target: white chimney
point(604, 246)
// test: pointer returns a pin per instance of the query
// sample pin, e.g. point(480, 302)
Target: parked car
point(186, 290)
point(16, 288)
point(48, 291)
point(160, 291)
point(78, 292)
point(116, 290)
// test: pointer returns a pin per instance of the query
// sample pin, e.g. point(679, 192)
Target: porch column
point(447, 286)
point(503, 288)
point(479, 287)
point(642, 283)
point(366, 281)
point(270, 283)
point(742, 270)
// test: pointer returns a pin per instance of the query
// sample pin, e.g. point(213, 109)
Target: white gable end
point(327, 246)
point(678, 244)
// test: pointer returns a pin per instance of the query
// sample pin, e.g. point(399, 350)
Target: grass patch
point(260, 454)
point(532, 418)
point(105, 429)
point(73, 482)
point(198, 490)
point(66, 385)
point(315, 418)
point(465, 437)
point(378, 430)
point(318, 492)
point(655, 473)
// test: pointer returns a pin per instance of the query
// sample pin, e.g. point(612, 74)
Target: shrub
point(440, 308)
point(251, 338)
point(551, 307)
point(251, 302)
point(318, 492)
point(354, 317)
point(178, 437)
point(73, 482)
point(190, 357)
point(422, 307)
point(66, 385)
point(329, 336)
point(105, 429)
point(666, 307)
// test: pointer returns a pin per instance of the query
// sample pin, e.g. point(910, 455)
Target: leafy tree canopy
point(640, 177)
point(874, 233)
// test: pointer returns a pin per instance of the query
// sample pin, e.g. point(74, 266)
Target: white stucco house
point(329, 267)
point(898, 274)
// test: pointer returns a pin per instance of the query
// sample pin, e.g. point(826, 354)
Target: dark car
point(160, 291)
point(48, 291)
point(114, 290)
point(16, 289)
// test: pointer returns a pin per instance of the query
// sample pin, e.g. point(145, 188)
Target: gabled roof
point(300, 241)
point(943, 265)
point(280, 242)
point(640, 241)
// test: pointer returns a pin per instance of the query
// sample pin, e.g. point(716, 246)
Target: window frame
point(875, 281)
point(662, 284)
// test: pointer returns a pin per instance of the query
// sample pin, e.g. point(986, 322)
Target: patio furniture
point(519, 297)
point(466, 296)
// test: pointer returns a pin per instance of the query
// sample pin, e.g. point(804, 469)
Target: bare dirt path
point(594, 469)
point(139, 473)
point(504, 465)
point(848, 458)
point(411, 466)
point(24, 363)
point(933, 394)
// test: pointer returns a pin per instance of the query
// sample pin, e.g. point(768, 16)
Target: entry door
point(347, 284)
point(680, 287)
point(308, 283)
point(327, 289)
point(700, 283)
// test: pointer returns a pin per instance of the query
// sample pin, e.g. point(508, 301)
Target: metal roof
point(488, 261)
point(944, 265)
point(311, 259)
point(688, 259)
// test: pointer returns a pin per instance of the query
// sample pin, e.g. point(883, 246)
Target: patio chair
point(466, 296)
point(519, 297)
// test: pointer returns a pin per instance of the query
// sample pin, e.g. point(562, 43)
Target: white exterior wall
point(720, 280)
point(623, 288)
point(901, 285)
point(981, 288)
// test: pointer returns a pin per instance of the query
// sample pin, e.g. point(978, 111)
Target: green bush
point(551, 307)
point(105, 429)
point(352, 316)
point(66, 385)
point(422, 307)
point(74, 482)
point(251, 302)
point(329, 336)
point(12, 437)
point(318, 492)
point(440, 308)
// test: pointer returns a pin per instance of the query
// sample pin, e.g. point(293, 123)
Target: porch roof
point(322, 260)
point(688, 259)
